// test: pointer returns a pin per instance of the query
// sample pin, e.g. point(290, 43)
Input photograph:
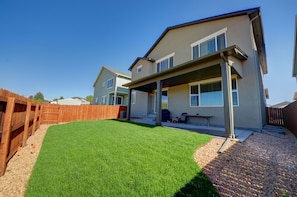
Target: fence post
point(40, 113)
point(27, 121)
point(6, 134)
point(35, 119)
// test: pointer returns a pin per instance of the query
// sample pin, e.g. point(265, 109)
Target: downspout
point(115, 90)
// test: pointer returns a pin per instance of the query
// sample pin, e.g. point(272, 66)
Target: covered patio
point(222, 63)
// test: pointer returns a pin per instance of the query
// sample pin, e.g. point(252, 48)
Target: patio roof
point(202, 68)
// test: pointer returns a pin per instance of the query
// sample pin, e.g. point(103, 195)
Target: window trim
point(112, 83)
point(103, 98)
point(164, 58)
point(133, 95)
point(213, 81)
point(139, 68)
point(209, 37)
point(121, 97)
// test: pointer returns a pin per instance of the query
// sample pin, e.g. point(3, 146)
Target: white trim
point(112, 83)
point(122, 100)
point(166, 57)
point(139, 67)
point(115, 88)
point(217, 79)
point(105, 98)
point(224, 30)
point(133, 94)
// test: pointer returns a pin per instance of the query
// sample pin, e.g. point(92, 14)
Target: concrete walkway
point(241, 135)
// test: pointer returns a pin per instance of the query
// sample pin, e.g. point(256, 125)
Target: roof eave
point(229, 51)
point(218, 17)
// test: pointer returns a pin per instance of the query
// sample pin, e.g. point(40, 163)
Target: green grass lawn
point(113, 158)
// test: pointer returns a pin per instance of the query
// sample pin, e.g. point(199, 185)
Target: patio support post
point(129, 105)
point(227, 95)
point(159, 101)
point(115, 90)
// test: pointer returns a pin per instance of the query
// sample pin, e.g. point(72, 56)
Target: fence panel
point(67, 113)
point(290, 117)
point(16, 124)
point(275, 116)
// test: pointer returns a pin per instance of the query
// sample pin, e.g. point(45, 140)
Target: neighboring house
point(213, 67)
point(71, 101)
point(109, 85)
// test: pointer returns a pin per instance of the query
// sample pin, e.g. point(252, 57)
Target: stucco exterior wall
point(139, 109)
point(251, 110)
point(147, 69)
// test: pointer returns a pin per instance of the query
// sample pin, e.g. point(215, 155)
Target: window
point(103, 100)
point(209, 44)
point(211, 94)
point(194, 95)
point(110, 83)
point(133, 98)
point(234, 92)
point(139, 69)
point(96, 100)
point(119, 100)
point(165, 63)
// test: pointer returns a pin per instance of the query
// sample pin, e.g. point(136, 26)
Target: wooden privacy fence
point(19, 119)
point(290, 117)
point(275, 116)
point(52, 114)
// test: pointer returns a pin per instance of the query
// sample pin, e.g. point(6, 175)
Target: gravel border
point(263, 165)
point(20, 166)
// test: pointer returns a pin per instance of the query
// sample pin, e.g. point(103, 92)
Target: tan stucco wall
point(147, 69)
point(250, 112)
point(140, 108)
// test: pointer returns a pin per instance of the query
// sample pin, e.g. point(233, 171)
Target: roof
point(295, 52)
point(281, 105)
point(117, 72)
point(186, 72)
point(253, 14)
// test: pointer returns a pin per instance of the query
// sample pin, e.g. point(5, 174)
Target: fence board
point(275, 116)
point(6, 134)
point(290, 117)
point(15, 120)
point(67, 113)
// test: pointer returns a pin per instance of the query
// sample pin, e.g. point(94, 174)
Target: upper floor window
point(209, 44)
point(110, 83)
point(139, 69)
point(165, 63)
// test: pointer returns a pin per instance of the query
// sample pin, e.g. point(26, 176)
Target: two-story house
point(213, 67)
point(109, 89)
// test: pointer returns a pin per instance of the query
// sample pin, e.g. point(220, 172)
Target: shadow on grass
point(200, 185)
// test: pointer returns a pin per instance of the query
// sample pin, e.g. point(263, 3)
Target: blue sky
point(58, 47)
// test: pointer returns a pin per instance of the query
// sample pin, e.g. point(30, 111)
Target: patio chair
point(183, 117)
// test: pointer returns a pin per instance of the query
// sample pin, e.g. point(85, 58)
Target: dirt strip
point(20, 166)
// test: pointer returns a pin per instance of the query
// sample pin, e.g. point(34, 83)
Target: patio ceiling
point(206, 67)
